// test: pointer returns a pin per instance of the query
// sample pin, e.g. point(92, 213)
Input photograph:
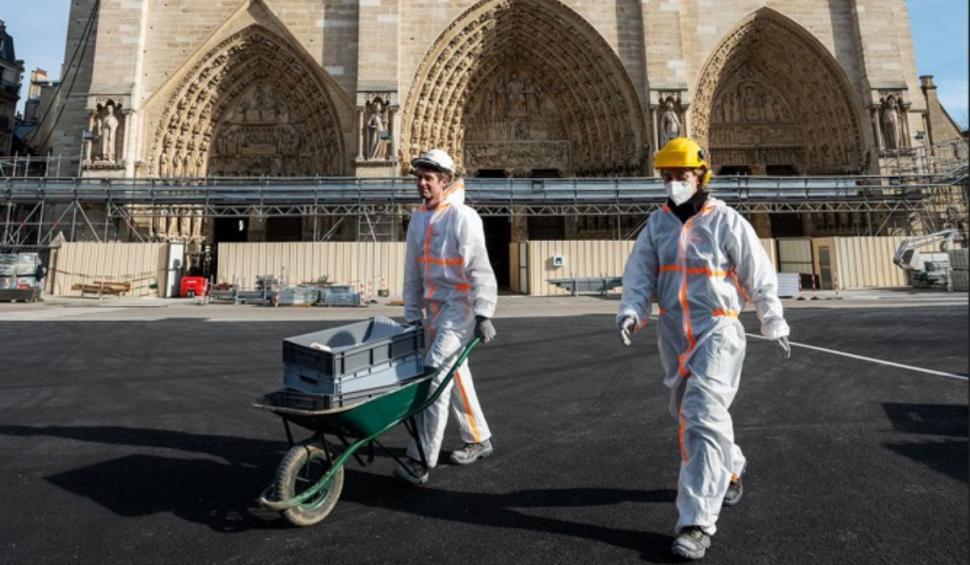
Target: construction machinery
point(927, 269)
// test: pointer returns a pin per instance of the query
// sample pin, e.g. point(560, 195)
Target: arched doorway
point(771, 95)
point(515, 87)
point(253, 105)
point(772, 100)
point(526, 88)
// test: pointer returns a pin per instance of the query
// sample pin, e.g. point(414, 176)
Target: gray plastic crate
point(373, 353)
point(390, 374)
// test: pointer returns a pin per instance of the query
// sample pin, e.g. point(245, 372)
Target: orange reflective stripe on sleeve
point(463, 287)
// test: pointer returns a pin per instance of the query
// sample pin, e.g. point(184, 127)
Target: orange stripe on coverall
point(694, 271)
point(721, 313)
point(441, 260)
point(685, 271)
point(468, 407)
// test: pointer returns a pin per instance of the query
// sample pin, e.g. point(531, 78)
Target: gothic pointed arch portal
point(526, 87)
point(251, 106)
point(772, 100)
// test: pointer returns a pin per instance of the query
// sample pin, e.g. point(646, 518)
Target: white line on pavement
point(873, 360)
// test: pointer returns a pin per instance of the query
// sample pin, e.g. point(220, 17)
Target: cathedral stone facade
point(521, 88)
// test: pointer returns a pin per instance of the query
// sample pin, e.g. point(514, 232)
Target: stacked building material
point(19, 274)
point(958, 269)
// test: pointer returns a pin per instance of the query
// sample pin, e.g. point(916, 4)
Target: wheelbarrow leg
point(411, 426)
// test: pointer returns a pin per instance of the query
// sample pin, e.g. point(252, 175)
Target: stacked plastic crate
point(351, 363)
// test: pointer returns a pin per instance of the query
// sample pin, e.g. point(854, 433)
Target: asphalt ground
point(135, 442)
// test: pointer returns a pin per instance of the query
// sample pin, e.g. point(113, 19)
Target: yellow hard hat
point(682, 152)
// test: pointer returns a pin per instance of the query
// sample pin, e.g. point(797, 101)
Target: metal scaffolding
point(34, 210)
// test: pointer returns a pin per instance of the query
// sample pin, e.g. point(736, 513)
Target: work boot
point(472, 452)
point(691, 543)
point(412, 471)
point(735, 490)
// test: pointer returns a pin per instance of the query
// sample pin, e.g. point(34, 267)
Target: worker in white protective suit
point(449, 283)
point(700, 261)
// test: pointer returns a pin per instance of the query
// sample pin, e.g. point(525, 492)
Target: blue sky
point(939, 36)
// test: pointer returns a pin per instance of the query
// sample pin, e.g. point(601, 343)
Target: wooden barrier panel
point(864, 262)
point(581, 259)
point(370, 265)
point(86, 265)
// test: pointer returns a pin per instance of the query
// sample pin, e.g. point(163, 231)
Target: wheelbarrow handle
point(451, 373)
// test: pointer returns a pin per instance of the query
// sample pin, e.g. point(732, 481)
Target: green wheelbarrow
point(311, 475)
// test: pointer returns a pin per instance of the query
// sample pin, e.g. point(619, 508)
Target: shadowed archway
point(526, 87)
point(772, 99)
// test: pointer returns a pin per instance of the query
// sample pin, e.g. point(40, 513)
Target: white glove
point(627, 326)
point(784, 346)
point(484, 329)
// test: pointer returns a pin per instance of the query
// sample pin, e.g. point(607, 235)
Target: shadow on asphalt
point(505, 510)
point(948, 456)
point(219, 493)
point(202, 490)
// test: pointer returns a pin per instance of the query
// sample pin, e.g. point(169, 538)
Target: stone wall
point(653, 56)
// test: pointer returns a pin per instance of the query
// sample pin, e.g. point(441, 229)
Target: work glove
point(484, 329)
point(627, 326)
point(784, 347)
point(414, 324)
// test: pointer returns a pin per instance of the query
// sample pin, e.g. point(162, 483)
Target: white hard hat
point(436, 159)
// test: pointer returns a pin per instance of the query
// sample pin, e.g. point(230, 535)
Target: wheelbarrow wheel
point(300, 469)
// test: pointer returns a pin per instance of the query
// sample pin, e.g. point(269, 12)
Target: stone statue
point(669, 123)
point(107, 127)
point(376, 128)
point(890, 123)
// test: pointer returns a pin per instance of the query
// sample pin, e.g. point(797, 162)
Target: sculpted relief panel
point(516, 71)
point(251, 106)
point(512, 124)
point(259, 137)
point(751, 123)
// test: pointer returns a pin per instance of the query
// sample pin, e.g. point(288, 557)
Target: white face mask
point(679, 191)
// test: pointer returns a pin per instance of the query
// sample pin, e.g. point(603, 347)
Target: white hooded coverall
point(701, 273)
point(447, 274)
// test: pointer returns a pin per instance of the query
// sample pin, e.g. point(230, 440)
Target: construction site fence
point(375, 269)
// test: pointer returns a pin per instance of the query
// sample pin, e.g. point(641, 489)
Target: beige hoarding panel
point(369, 266)
point(795, 255)
point(580, 259)
point(769, 245)
point(141, 265)
point(867, 262)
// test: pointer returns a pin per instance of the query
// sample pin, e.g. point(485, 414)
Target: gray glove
point(784, 346)
point(484, 329)
point(627, 326)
